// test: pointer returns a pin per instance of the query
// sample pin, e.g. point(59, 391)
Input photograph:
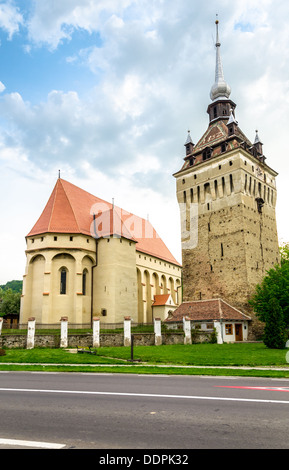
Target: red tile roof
point(207, 310)
point(70, 209)
point(161, 299)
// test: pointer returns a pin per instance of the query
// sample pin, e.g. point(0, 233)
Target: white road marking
point(41, 445)
point(143, 395)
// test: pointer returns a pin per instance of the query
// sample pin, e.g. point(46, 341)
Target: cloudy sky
point(105, 91)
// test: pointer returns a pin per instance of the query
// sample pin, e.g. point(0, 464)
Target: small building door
point(238, 332)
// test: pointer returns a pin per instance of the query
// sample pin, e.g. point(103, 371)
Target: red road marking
point(274, 389)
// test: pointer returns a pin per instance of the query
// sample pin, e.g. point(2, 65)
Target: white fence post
point(187, 330)
point(30, 333)
point(158, 331)
point(64, 332)
point(96, 329)
point(1, 324)
point(127, 331)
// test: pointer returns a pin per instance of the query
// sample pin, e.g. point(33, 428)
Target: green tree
point(16, 286)
point(9, 302)
point(275, 334)
point(284, 253)
point(275, 285)
point(271, 300)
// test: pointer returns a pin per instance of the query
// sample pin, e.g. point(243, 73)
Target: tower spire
point(220, 89)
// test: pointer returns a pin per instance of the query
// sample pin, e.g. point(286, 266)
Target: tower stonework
point(227, 197)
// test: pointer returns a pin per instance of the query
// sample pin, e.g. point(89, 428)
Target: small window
point(103, 312)
point(229, 329)
point(55, 239)
point(63, 280)
point(71, 239)
point(84, 279)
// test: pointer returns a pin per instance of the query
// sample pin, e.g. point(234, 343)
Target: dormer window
point(223, 147)
point(207, 153)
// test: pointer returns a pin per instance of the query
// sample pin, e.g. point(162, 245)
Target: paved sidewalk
point(285, 368)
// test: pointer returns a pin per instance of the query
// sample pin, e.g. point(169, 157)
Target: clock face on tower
point(259, 172)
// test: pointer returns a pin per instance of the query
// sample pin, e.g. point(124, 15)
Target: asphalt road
point(107, 411)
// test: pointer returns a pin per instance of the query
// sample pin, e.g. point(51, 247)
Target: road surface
point(108, 411)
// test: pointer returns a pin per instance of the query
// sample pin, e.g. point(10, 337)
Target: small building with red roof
point(163, 306)
point(230, 323)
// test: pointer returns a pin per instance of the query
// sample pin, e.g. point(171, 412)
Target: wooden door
point(238, 332)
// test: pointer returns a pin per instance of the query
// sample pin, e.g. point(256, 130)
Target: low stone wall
point(86, 340)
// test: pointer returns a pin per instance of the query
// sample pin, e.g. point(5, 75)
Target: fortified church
point(86, 257)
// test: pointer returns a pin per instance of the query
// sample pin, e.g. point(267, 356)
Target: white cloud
point(10, 18)
point(153, 70)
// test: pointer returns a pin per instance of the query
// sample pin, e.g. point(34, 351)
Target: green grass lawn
point(238, 354)
point(235, 354)
point(154, 360)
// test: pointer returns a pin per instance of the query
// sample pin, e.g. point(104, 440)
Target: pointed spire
point(220, 89)
point(258, 145)
point(257, 139)
point(189, 139)
point(232, 119)
point(189, 144)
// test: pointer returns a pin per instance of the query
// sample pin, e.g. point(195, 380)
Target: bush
point(214, 337)
point(2, 352)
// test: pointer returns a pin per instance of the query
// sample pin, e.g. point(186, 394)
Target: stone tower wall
point(232, 243)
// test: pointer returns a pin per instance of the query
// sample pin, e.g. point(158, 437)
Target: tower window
point(231, 183)
point(207, 154)
point(71, 239)
point(63, 281)
point(222, 250)
point(84, 279)
point(192, 195)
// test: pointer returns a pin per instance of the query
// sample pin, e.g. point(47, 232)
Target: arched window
point(63, 280)
point(84, 279)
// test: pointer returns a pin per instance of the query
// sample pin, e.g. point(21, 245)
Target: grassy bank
point(209, 359)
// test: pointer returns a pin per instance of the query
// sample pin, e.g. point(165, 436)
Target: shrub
point(2, 352)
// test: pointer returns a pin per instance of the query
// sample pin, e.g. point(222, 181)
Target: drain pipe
point(93, 267)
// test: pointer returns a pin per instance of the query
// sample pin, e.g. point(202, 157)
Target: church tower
point(227, 196)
